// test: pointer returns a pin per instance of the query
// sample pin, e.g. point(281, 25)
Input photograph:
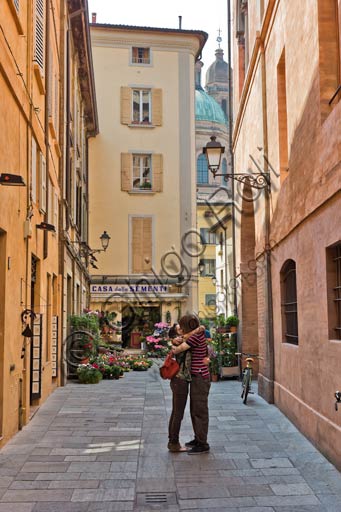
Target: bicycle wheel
point(246, 385)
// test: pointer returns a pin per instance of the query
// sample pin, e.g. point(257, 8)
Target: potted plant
point(233, 322)
point(214, 367)
point(88, 374)
point(221, 324)
point(227, 355)
point(146, 185)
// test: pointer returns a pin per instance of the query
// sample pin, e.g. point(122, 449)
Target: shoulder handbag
point(169, 368)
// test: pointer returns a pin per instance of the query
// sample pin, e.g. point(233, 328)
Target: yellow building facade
point(142, 185)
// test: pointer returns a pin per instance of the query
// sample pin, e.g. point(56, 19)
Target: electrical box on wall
point(27, 229)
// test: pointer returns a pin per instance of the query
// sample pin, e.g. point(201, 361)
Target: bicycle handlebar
point(247, 354)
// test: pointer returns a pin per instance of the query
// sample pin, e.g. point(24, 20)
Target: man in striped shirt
point(200, 384)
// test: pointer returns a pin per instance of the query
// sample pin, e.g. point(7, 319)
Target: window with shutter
point(125, 105)
point(34, 170)
point(50, 209)
point(16, 4)
point(39, 34)
point(126, 172)
point(140, 55)
point(55, 209)
point(157, 166)
point(141, 244)
point(157, 107)
point(43, 184)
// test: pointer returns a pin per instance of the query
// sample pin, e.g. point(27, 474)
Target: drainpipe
point(267, 381)
point(230, 128)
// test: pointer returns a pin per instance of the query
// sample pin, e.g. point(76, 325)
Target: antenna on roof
point(180, 22)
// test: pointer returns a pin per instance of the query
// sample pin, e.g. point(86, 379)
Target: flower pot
point(229, 371)
point(214, 377)
point(233, 328)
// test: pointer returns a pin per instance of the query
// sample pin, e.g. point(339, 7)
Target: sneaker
point(199, 448)
point(194, 442)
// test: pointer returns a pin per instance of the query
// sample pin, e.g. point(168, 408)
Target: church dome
point(218, 70)
point(207, 109)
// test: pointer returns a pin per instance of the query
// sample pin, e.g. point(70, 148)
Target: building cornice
point(78, 16)
point(260, 43)
point(113, 36)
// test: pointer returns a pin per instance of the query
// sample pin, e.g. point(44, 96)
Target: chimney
point(180, 22)
point(94, 17)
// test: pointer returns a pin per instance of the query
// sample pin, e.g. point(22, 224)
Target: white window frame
point(141, 91)
point(141, 170)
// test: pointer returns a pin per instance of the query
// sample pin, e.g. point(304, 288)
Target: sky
point(196, 15)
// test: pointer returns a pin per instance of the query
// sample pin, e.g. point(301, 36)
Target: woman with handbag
point(179, 385)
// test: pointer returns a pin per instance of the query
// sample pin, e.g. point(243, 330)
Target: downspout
point(46, 120)
point(230, 126)
point(266, 384)
point(62, 70)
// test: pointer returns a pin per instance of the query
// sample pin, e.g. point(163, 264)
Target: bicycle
point(247, 375)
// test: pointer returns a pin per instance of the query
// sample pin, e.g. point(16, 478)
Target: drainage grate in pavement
point(155, 499)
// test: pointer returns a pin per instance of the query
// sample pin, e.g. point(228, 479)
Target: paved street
point(103, 448)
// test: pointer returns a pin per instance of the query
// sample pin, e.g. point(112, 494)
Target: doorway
point(138, 320)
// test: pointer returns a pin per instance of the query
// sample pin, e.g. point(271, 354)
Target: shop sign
point(133, 288)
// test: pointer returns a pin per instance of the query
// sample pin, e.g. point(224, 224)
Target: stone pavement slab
point(103, 448)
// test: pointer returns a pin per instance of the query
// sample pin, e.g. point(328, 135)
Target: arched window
point(202, 170)
point(224, 171)
point(289, 302)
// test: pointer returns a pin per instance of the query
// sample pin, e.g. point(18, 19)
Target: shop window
point(289, 303)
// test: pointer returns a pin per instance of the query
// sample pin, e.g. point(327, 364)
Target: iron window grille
point(337, 289)
point(289, 303)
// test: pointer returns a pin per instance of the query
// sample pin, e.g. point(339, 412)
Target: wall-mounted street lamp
point(213, 151)
point(214, 280)
point(105, 239)
point(11, 180)
point(46, 227)
point(201, 267)
point(87, 252)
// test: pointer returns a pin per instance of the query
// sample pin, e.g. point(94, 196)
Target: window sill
point(335, 341)
point(143, 192)
point(39, 78)
point(141, 125)
point(16, 17)
point(142, 64)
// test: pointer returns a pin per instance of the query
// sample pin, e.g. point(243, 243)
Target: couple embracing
point(190, 349)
